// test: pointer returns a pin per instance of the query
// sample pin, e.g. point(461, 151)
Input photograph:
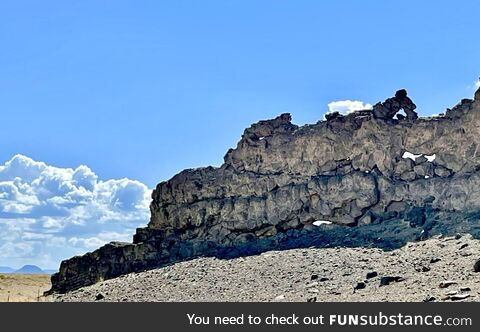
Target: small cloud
point(347, 106)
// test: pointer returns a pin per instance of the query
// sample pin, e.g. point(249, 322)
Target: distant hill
point(6, 269)
point(29, 269)
point(26, 269)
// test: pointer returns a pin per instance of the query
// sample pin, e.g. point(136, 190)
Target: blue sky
point(144, 89)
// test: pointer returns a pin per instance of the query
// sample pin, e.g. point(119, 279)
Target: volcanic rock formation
point(390, 107)
point(380, 182)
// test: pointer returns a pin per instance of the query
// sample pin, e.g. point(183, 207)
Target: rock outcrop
point(353, 171)
point(390, 107)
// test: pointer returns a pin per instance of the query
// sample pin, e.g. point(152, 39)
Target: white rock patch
point(431, 158)
point(413, 156)
point(410, 155)
point(321, 222)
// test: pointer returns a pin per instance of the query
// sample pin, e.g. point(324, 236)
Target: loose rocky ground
point(24, 287)
point(439, 269)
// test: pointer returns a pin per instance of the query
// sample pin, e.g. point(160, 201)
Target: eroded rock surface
point(281, 178)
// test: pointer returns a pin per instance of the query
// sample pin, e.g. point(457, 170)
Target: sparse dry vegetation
point(24, 287)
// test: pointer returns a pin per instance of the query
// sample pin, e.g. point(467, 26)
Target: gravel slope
point(419, 271)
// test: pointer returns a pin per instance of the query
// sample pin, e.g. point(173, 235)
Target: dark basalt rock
point(281, 178)
point(360, 285)
point(387, 280)
point(390, 107)
point(332, 116)
point(476, 266)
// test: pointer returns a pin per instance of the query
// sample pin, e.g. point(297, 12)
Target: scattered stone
point(463, 246)
point(280, 297)
point(476, 266)
point(458, 297)
point(314, 277)
point(322, 279)
point(446, 284)
point(360, 285)
point(372, 274)
point(465, 289)
point(312, 299)
point(429, 299)
point(384, 281)
point(422, 268)
point(435, 260)
point(99, 297)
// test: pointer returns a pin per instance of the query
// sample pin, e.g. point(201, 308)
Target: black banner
point(239, 316)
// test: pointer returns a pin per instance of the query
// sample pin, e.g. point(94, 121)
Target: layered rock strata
point(380, 182)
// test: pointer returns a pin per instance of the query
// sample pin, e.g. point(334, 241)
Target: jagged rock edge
point(169, 239)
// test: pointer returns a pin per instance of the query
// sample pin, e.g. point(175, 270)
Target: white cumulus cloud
point(48, 213)
point(347, 106)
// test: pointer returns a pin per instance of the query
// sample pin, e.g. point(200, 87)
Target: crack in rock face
point(374, 180)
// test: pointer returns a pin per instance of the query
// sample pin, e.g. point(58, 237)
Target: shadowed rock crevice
point(353, 171)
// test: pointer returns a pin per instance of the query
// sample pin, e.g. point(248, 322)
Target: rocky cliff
point(377, 180)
